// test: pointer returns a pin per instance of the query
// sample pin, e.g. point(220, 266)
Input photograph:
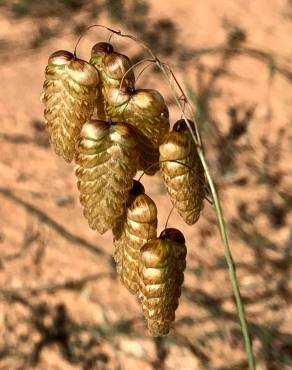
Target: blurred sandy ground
point(62, 306)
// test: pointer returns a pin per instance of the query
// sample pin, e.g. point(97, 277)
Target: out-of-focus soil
point(57, 276)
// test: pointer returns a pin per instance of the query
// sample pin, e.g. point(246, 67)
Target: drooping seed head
point(182, 172)
point(163, 261)
point(106, 163)
point(70, 90)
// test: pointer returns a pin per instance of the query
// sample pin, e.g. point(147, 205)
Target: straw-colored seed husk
point(143, 108)
point(161, 267)
point(106, 159)
point(139, 226)
point(183, 173)
point(112, 67)
point(69, 96)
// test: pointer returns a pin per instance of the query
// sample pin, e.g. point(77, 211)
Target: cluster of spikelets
point(96, 117)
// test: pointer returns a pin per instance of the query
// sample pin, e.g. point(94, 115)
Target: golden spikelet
point(146, 110)
point(112, 67)
point(185, 180)
point(143, 108)
point(162, 263)
point(139, 226)
point(106, 159)
point(70, 90)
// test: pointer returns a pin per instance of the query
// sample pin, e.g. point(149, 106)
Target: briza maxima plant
point(109, 152)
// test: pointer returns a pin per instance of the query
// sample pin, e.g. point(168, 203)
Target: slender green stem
point(231, 266)
point(222, 229)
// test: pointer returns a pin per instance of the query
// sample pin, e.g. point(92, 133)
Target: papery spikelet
point(139, 226)
point(143, 108)
point(106, 158)
point(112, 67)
point(70, 90)
point(183, 173)
point(149, 153)
point(162, 263)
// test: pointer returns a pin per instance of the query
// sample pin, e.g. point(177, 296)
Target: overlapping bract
point(112, 67)
point(146, 110)
point(139, 226)
point(163, 261)
point(183, 173)
point(143, 108)
point(70, 90)
point(106, 159)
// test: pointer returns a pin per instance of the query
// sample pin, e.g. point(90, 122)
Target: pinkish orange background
point(61, 303)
